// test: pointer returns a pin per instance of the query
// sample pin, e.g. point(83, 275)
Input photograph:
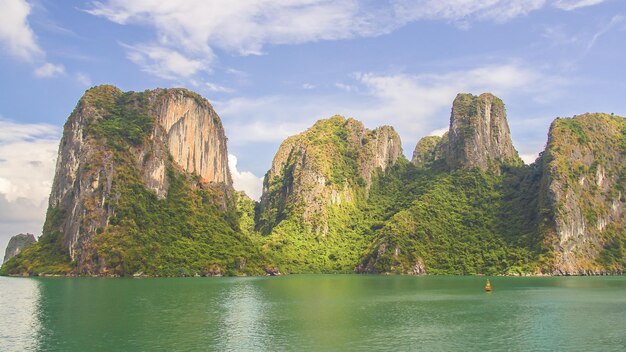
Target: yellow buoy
point(488, 286)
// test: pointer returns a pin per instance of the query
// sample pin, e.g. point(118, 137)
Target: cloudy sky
point(271, 68)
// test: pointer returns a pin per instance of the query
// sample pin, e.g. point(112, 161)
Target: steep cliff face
point(478, 137)
point(173, 120)
point(195, 135)
point(332, 163)
point(315, 189)
point(584, 194)
point(124, 159)
point(17, 243)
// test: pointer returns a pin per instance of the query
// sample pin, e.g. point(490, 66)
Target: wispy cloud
point(163, 62)
point(49, 70)
point(569, 5)
point(217, 88)
point(415, 104)
point(191, 30)
point(15, 33)
point(18, 38)
point(84, 79)
point(615, 21)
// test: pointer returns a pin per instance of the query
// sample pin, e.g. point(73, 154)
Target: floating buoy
point(488, 286)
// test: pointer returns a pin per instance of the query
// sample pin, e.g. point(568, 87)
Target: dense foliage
point(407, 219)
point(462, 222)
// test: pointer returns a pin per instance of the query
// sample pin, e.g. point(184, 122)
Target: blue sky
point(272, 68)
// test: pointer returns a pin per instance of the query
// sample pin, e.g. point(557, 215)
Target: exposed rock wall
point(194, 134)
point(17, 243)
point(479, 134)
point(583, 189)
point(184, 127)
point(326, 165)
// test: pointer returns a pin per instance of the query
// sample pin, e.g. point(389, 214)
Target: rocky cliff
point(584, 194)
point(318, 181)
point(142, 187)
point(478, 137)
point(126, 159)
point(331, 163)
point(17, 243)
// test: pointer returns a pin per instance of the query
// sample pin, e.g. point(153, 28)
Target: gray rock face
point(186, 128)
point(479, 135)
point(583, 188)
point(324, 166)
point(17, 243)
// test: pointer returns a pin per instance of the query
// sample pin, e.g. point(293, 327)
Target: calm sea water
point(313, 312)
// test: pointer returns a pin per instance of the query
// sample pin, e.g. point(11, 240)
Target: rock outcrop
point(119, 147)
point(428, 150)
point(331, 163)
point(478, 137)
point(584, 189)
point(142, 188)
point(175, 122)
point(17, 243)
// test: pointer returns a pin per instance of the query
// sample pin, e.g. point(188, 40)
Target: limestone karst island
point(142, 187)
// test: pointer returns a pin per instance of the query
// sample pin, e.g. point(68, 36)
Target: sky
point(272, 68)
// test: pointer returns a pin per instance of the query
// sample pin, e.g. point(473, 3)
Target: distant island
point(142, 188)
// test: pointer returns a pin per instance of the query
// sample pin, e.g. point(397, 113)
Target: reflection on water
point(243, 321)
point(19, 309)
point(313, 312)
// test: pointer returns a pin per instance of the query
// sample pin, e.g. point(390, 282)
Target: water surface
point(313, 312)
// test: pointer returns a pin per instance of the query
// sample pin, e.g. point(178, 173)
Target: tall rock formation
point(478, 137)
point(314, 193)
point(17, 243)
point(584, 194)
point(328, 164)
point(121, 157)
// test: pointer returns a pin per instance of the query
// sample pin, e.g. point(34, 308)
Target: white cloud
point(27, 162)
point(416, 105)
point(15, 33)
point(346, 87)
point(28, 153)
point(308, 86)
point(569, 5)
point(461, 11)
point(529, 158)
point(264, 131)
point(217, 88)
point(49, 70)
point(84, 79)
point(615, 21)
point(439, 132)
point(164, 62)
point(188, 32)
point(245, 180)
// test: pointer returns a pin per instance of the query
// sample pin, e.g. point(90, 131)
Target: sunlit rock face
point(181, 125)
point(331, 163)
point(583, 193)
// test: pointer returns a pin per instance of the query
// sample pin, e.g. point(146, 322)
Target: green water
point(313, 312)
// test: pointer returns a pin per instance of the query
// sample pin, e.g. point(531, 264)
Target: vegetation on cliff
point(193, 230)
point(338, 198)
